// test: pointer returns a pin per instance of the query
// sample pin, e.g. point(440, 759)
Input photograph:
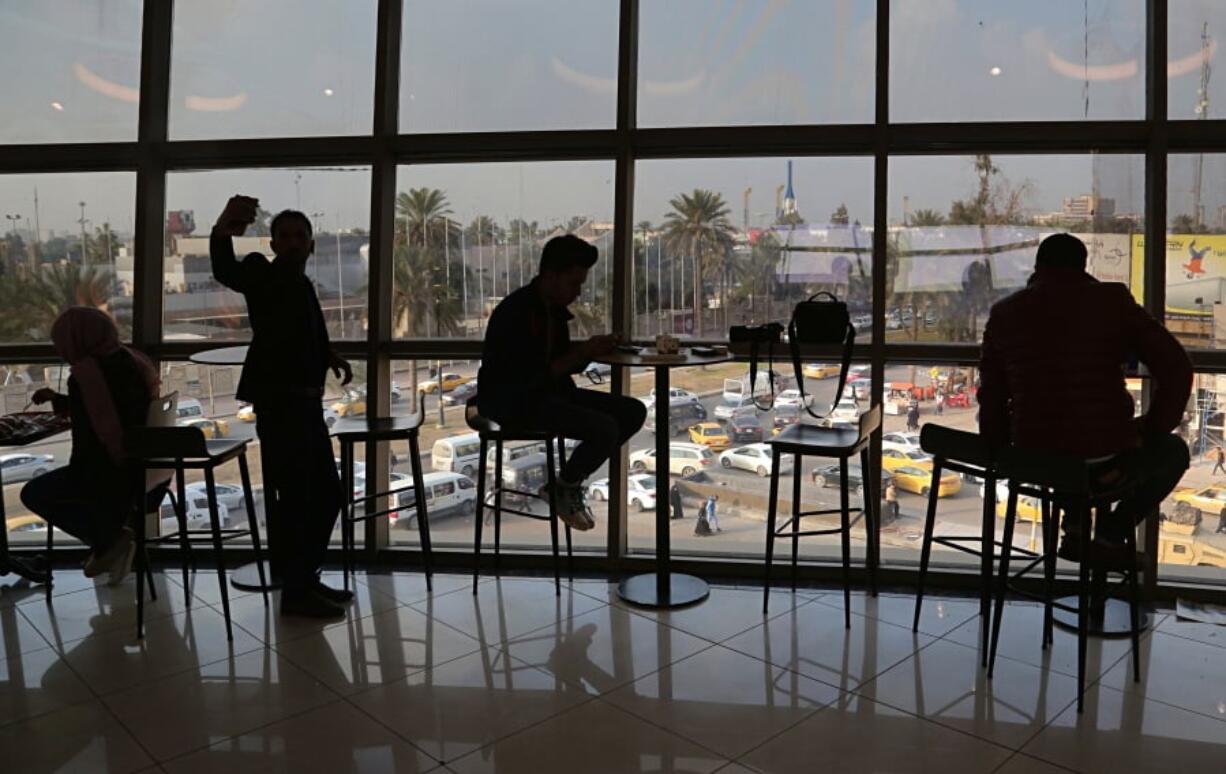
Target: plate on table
point(652, 356)
point(31, 424)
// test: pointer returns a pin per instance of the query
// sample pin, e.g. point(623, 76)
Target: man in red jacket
point(1052, 379)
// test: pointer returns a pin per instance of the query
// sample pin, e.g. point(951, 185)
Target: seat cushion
point(811, 439)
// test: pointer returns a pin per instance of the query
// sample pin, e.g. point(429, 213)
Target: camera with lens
point(770, 333)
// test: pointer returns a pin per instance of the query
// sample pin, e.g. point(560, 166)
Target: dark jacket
point(289, 349)
point(1052, 368)
point(524, 335)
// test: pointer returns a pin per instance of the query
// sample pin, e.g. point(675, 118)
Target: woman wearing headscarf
point(109, 390)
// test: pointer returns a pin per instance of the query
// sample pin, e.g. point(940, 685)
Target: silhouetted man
point(526, 367)
point(1052, 379)
point(283, 379)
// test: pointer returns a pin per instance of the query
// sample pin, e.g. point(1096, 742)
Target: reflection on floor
point(516, 679)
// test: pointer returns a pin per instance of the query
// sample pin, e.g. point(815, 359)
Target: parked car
point(892, 459)
point(446, 493)
point(793, 398)
point(680, 416)
point(352, 405)
point(640, 491)
point(755, 457)
point(675, 395)
point(784, 416)
point(23, 467)
point(212, 428)
point(919, 480)
point(744, 428)
point(189, 408)
point(847, 408)
point(906, 442)
point(461, 394)
point(27, 527)
point(827, 476)
point(736, 388)
point(229, 495)
point(820, 370)
point(197, 512)
point(710, 434)
point(457, 454)
point(1210, 501)
point(1028, 508)
point(738, 405)
point(449, 380)
point(685, 459)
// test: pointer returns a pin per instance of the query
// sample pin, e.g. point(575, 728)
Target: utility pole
point(745, 210)
point(38, 229)
point(1202, 113)
point(340, 280)
point(13, 220)
point(83, 221)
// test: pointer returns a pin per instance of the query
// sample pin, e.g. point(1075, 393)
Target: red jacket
point(1052, 367)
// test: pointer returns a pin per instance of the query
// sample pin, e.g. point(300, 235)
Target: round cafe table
point(247, 577)
point(663, 588)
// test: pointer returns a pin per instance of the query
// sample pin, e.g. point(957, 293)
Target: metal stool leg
point(498, 484)
point(987, 550)
point(1083, 606)
point(1134, 603)
point(480, 515)
point(1051, 536)
point(253, 523)
point(1003, 588)
point(570, 554)
point(772, 512)
point(185, 546)
point(553, 518)
point(872, 519)
point(215, 523)
point(423, 518)
point(795, 518)
point(348, 482)
point(140, 575)
point(930, 521)
point(845, 514)
point(50, 564)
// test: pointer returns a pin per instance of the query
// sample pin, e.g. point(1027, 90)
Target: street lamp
point(83, 221)
point(315, 216)
point(13, 220)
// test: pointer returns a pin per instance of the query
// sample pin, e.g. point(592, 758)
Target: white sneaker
point(568, 505)
point(123, 563)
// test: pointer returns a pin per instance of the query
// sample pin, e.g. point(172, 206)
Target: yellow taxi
point(449, 381)
point(918, 480)
point(893, 459)
point(710, 434)
point(352, 405)
point(820, 370)
point(1028, 508)
point(25, 523)
point(1210, 500)
point(246, 413)
point(212, 428)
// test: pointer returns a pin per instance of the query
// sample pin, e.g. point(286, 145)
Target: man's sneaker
point(335, 596)
point(309, 604)
point(98, 563)
point(568, 505)
point(123, 564)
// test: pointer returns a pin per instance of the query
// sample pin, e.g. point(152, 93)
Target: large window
point(1196, 250)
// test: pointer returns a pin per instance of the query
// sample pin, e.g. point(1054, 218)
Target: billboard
point(1195, 270)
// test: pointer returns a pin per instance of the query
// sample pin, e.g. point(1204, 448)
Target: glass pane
point(74, 70)
point(336, 199)
point(469, 234)
point(1196, 249)
point(19, 464)
point(487, 65)
point(996, 60)
point(717, 450)
point(761, 234)
point(1195, 30)
point(964, 230)
point(67, 241)
point(704, 63)
point(1191, 546)
point(280, 68)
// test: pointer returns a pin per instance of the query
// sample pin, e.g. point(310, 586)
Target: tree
point(102, 247)
point(426, 214)
point(260, 226)
point(421, 304)
point(927, 218)
point(575, 223)
point(840, 216)
point(698, 227)
point(33, 299)
point(1187, 224)
point(995, 202)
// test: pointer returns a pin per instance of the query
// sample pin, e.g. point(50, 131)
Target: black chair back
point(166, 443)
point(948, 443)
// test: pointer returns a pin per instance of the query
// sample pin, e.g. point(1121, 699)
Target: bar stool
point(969, 454)
point(489, 432)
point(803, 440)
point(1064, 483)
point(349, 433)
point(181, 449)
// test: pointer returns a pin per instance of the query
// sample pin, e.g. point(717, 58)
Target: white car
point(847, 409)
point(640, 491)
point(230, 496)
point(675, 395)
point(741, 405)
point(793, 398)
point(754, 457)
point(685, 459)
point(23, 467)
point(197, 515)
point(906, 442)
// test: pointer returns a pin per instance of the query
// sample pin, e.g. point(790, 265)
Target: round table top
point(221, 356)
point(648, 358)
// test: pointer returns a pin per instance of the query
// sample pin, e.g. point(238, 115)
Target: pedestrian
point(940, 398)
point(913, 416)
point(674, 498)
point(712, 519)
point(703, 527)
point(891, 500)
point(1219, 457)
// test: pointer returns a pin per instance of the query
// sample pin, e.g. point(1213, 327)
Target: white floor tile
point(506, 608)
point(35, 683)
point(409, 588)
point(726, 701)
point(1178, 671)
point(725, 613)
point(595, 739)
point(1024, 764)
point(100, 609)
point(82, 739)
point(938, 616)
point(17, 635)
point(268, 625)
point(1194, 630)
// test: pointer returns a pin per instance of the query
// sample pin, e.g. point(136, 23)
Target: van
point(446, 493)
point(525, 474)
point(190, 408)
point(456, 454)
point(680, 416)
point(736, 389)
point(515, 451)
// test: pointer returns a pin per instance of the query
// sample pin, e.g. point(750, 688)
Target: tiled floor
point(518, 679)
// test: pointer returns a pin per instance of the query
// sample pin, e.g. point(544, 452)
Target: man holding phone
point(283, 379)
point(526, 367)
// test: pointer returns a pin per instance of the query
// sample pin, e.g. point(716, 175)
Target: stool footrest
point(504, 510)
point(368, 516)
point(504, 491)
point(201, 536)
point(365, 497)
point(784, 530)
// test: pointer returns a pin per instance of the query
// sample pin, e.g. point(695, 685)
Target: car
point(23, 467)
point(450, 381)
point(1028, 508)
point(640, 491)
point(847, 408)
point(228, 495)
point(685, 459)
point(735, 388)
point(212, 428)
point(783, 416)
point(919, 480)
point(680, 416)
point(189, 408)
point(828, 476)
point(197, 512)
point(330, 416)
point(892, 459)
point(907, 442)
point(352, 405)
point(793, 398)
point(675, 395)
point(28, 526)
point(744, 428)
point(754, 457)
point(461, 394)
point(710, 434)
point(740, 405)
point(820, 370)
point(1209, 500)
point(858, 373)
point(246, 413)
point(396, 393)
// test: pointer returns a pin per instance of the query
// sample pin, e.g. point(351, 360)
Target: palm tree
point(32, 300)
point(927, 218)
point(421, 305)
point(423, 217)
point(699, 226)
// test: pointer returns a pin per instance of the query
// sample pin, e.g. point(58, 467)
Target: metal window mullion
point(881, 158)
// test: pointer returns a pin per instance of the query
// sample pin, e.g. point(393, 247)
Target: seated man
point(1052, 378)
point(526, 367)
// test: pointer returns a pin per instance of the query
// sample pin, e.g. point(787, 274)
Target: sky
point(267, 68)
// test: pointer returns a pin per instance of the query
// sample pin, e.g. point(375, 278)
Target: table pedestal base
point(247, 578)
point(643, 590)
point(1114, 622)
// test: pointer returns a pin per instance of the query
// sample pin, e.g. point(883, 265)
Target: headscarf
point(81, 335)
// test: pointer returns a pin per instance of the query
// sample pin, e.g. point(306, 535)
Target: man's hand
point(239, 213)
point(340, 365)
point(43, 395)
point(601, 345)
